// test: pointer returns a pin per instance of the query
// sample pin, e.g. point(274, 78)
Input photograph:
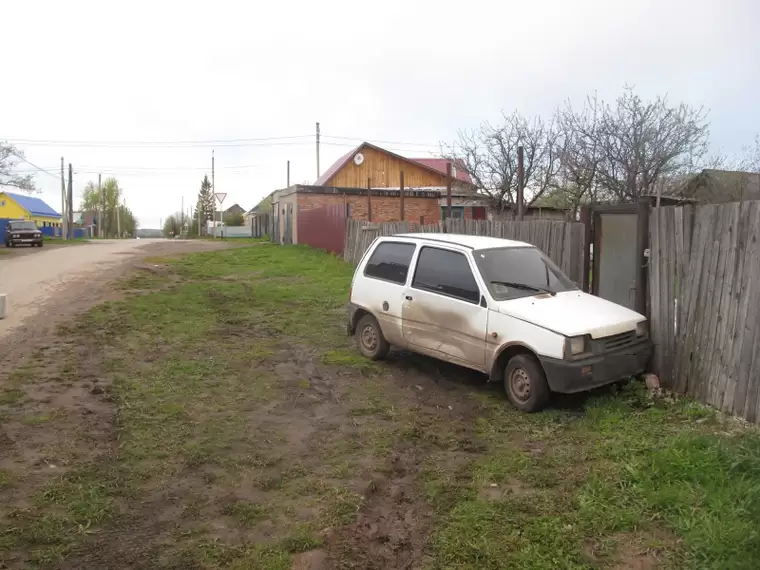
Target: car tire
point(370, 339)
point(525, 383)
point(40, 244)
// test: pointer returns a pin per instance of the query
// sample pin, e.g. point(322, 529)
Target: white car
point(498, 306)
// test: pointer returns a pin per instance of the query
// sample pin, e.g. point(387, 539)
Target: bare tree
point(9, 160)
point(489, 155)
point(598, 153)
point(581, 156)
point(643, 142)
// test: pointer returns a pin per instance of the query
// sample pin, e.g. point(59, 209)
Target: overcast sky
point(411, 71)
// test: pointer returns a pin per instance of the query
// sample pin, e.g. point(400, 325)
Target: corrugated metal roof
point(439, 164)
point(34, 206)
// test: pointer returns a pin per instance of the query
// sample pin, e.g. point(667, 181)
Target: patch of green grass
point(10, 396)
point(245, 513)
point(350, 358)
point(36, 420)
point(628, 464)
point(6, 479)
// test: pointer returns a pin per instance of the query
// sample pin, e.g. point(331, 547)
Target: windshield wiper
point(526, 287)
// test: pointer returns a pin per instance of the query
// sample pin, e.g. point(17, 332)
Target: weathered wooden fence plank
point(704, 279)
point(655, 326)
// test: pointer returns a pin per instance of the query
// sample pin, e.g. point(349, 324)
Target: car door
point(442, 313)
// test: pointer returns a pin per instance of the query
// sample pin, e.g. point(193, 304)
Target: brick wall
point(384, 208)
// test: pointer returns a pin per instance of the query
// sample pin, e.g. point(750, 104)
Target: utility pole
point(118, 216)
point(369, 200)
point(317, 151)
point(63, 203)
point(182, 216)
point(520, 183)
point(401, 194)
point(70, 202)
point(213, 192)
point(448, 192)
point(102, 217)
point(288, 186)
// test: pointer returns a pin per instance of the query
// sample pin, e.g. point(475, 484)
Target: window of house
point(447, 273)
point(457, 212)
point(390, 261)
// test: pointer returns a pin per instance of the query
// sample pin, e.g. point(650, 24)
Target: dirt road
point(33, 282)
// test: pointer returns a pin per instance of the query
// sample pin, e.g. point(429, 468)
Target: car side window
point(446, 272)
point(390, 261)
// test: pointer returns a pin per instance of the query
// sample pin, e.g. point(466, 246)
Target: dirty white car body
point(480, 302)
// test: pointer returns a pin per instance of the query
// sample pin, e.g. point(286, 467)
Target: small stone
point(494, 485)
point(651, 381)
point(96, 390)
point(418, 387)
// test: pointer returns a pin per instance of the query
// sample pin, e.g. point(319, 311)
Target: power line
point(436, 145)
point(87, 167)
point(37, 167)
point(266, 141)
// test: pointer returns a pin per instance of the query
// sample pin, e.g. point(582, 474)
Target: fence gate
point(614, 254)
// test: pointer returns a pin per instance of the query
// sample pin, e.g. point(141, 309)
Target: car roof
point(473, 242)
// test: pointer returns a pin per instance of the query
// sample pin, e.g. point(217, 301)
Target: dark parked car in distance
point(19, 232)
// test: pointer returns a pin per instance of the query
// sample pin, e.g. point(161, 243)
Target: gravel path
point(32, 281)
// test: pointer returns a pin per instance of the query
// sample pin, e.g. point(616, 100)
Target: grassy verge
point(245, 431)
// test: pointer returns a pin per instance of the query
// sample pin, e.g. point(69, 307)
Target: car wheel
point(525, 383)
point(370, 339)
point(40, 244)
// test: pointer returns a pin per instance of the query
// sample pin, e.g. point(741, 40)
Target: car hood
point(572, 313)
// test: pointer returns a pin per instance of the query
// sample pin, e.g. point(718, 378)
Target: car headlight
point(641, 328)
point(575, 345)
point(17, 235)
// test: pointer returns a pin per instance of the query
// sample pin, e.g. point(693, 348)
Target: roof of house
point(235, 208)
point(35, 206)
point(437, 165)
point(715, 186)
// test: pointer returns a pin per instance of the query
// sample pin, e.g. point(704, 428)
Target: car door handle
point(408, 297)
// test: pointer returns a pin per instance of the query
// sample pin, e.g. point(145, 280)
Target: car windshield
point(23, 226)
point(512, 272)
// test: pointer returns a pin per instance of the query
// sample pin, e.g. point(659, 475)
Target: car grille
point(619, 340)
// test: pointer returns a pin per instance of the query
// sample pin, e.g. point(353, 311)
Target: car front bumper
point(25, 240)
point(569, 376)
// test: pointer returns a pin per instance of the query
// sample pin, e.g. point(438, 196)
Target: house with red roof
point(367, 165)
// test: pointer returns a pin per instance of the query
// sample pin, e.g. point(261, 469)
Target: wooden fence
point(704, 284)
point(563, 242)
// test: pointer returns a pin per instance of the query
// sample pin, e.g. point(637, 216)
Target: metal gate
point(614, 254)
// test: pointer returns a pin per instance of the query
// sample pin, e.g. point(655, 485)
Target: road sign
point(220, 196)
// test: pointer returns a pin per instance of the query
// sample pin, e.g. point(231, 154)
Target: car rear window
point(390, 261)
